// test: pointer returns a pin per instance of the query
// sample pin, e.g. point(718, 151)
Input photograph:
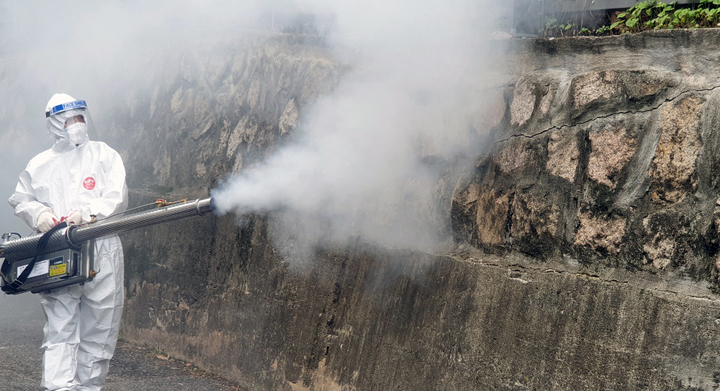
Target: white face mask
point(77, 133)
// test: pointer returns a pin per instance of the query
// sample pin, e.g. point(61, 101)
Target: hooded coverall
point(82, 321)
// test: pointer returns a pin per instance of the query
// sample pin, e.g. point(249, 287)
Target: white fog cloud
point(361, 167)
point(365, 164)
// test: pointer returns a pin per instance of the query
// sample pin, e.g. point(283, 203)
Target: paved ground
point(132, 369)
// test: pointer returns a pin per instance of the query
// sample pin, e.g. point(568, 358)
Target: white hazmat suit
point(77, 179)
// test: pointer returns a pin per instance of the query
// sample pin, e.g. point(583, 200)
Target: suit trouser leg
point(100, 315)
point(60, 337)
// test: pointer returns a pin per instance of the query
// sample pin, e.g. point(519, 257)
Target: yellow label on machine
point(58, 270)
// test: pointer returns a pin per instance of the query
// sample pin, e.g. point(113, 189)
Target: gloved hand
point(46, 221)
point(75, 218)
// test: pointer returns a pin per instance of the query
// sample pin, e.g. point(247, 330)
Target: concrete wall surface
point(585, 237)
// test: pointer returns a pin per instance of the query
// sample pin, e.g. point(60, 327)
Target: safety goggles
point(74, 119)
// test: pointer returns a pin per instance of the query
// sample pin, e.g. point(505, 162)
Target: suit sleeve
point(24, 202)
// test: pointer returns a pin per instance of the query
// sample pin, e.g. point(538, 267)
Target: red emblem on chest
point(89, 183)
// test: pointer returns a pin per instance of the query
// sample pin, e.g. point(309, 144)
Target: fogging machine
point(65, 255)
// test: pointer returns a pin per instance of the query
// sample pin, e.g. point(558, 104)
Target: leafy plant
point(647, 15)
point(555, 29)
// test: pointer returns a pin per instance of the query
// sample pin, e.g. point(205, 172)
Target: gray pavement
point(133, 368)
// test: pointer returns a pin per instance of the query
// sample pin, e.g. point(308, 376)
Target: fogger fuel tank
point(67, 255)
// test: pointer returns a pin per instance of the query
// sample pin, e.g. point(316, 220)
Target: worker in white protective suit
point(77, 180)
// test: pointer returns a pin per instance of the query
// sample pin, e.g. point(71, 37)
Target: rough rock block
point(600, 233)
point(673, 168)
point(611, 150)
point(563, 154)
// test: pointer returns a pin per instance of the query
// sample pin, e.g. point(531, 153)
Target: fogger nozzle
point(74, 236)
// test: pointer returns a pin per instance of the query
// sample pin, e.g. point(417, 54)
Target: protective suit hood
point(68, 120)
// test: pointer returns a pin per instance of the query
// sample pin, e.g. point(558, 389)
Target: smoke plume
point(370, 162)
point(370, 158)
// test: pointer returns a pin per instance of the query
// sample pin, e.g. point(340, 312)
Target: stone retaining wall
point(586, 235)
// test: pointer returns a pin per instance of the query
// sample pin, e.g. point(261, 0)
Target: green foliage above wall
point(646, 15)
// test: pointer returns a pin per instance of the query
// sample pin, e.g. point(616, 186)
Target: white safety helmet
point(68, 119)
